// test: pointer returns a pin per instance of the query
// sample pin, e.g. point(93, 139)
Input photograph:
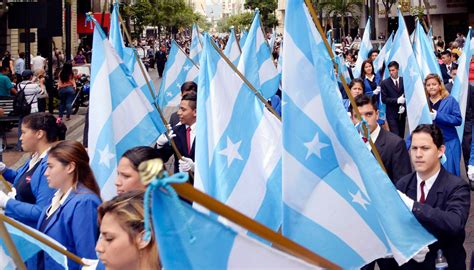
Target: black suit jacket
point(445, 73)
point(390, 94)
point(180, 140)
point(444, 214)
point(394, 155)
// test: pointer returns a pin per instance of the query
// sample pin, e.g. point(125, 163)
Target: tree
point(239, 21)
point(387, 4)
point(267, 11)
point(140, 14)
point(341, 9)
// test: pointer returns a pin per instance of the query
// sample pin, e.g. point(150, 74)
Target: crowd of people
point(55, 191)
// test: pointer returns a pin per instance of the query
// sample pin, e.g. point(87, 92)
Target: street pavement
point(75, 131)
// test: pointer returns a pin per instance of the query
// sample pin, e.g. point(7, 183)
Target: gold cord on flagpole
point(40, 238)
point(314, 16)
point(150, 169)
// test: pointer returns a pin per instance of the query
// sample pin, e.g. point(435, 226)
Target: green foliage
point(139, 14)
point(239, 21)
point(267, 11)
point(340, 9)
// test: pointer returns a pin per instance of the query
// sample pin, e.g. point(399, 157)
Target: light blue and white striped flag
point(424, 55)
point(256, 62)
point(336, 196)
point(127, 55)
point(194, 240)
point(383, 55)
point(121, 116)
point(430, 38)
point(232, 49)
point(178, 70)
point(196, 45)
point(27, 246)
point(272, 41)
point(461, 81)
point(365, 47)
point(240, 167)
point(243, 37)
point(402, 52)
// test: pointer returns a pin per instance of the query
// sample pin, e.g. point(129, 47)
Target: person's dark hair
point(448, 53)
point(66, 72)
point(138, 154)
point(3, 69)
point(189, 86)
point(354, 81)
point(192, 98)
point(362, 100)
point(372, 51)
point(21, 55)
point(46, 122)
point(394, 64)
point(362, 72)
point(67, 152)
point(431, 129)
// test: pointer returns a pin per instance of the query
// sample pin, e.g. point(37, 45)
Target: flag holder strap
point(151, 169)
point(314, 16)
point(11, 247)
point(254, 90)
point(24, 229)
point(142, 69)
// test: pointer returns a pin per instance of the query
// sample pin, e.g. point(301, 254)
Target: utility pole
point(67, 25)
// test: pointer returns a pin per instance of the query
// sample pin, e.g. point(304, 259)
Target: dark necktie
point(188, 139)
point(396, 84)
point(422, 191)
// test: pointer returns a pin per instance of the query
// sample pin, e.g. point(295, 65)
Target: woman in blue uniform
point(31, 194)
point(71, 219)
point(446, 115)
point(370, 78)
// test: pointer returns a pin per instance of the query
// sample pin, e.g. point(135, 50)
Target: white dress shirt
point(428, 184)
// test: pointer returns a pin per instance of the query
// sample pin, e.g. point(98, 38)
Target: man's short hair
point(448, 53)
point(362, 100)
point(189, 86)
point(191, 97)
point(431, 129)
point(394, 64)
point(373, 51)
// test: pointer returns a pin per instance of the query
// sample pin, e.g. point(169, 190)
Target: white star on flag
point(357, 198)
point(187, 67)
point(106, 156)
point(231, 151)
point(178, 85)
point(315, 146)
point(168, 93)
point(413, 73)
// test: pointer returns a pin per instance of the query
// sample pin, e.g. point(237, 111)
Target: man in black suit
point(446, 66)
point(391, 148)
point(393, 96)
point(183, 136)
point(186, 88)
point(439, 200)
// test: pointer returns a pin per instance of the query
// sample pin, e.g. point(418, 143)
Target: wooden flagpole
point(314, 16)
point(40, 238)
point(15, 255)
point(150, 169)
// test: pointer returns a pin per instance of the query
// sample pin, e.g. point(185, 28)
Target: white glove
point(401, 100)
point(377, 90)
point(186, 164)
point(420, 256)
point(401, 109)
point(3, 199)
point(162, 140)
point(3, 167)
point(470, 172)
point(89, 264)
point(433, 114)
point(408, 202)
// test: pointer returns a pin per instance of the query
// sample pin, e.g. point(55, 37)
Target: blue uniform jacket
point(25, 212)
point(74, 225)
point(367, 89)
